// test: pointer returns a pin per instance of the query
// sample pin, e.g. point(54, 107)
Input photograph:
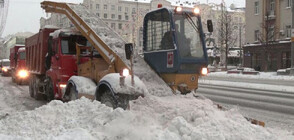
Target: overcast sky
point(24, 15)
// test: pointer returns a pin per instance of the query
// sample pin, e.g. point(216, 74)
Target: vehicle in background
point(19, 72)
point(1, 66)
point(5, 67)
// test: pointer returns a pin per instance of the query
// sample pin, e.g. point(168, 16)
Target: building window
point(113, 25)
point(98, 14)
point(119, 17)
point(105, 7)
point(126, 9)
point(91, 6)
point(105, 15)
point(256, 35)
point(113, 16)
point(112, 7)
point(119, 26)
point(97, 6)
point(288, 31)
point(289, 3)
point(272, 5)
point(256, 7)
point(126, 17)
point(133, 10)
point(119, 8)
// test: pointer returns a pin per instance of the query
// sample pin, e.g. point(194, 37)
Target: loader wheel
point(116, 101)
point(73, 94)
point(49, 91)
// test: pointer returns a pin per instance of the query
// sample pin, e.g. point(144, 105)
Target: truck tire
point(31, 88)
point(116, 101)
point(49, 91)
point(37, 95)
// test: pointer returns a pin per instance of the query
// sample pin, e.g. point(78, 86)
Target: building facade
point(268, 33)
point(126, 18)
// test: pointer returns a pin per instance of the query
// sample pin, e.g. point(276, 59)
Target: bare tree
point(226, 38)
point(267, 36)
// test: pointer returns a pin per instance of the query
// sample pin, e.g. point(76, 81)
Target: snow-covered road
point(278, 106)
point(14, 98)
point(265, 97)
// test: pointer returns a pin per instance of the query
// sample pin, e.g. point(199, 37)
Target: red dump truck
point(51, 61)
point(19, 72)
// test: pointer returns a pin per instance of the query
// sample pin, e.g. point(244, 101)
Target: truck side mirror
point(129, 50)
point(209, 26)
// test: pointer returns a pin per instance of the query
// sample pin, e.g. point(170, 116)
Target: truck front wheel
point(49, 91)
point(114, 101)
point(31, 87)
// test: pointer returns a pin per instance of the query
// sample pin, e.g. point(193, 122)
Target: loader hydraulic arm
point(105, 51)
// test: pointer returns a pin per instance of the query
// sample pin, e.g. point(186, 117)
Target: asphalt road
point(275, 108)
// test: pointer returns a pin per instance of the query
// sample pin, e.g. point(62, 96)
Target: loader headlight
point(178, 9)
point(125, 72)
point(204, 71)
point(23, 73)
point(196, 10)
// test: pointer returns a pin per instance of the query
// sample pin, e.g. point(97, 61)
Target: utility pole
point(292, 41)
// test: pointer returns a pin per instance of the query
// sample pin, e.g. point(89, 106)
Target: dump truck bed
point(36, 50)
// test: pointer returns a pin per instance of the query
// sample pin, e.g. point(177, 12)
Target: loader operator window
point(22, 55)
point(158, 32)
point(188, 37)
point(68, 44)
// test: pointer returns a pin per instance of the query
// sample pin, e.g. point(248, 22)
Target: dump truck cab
point(61, 61)
point(5, 67)
point(174, 46)
point(19, 71)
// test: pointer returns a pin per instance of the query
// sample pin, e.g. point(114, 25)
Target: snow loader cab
point(174, 46)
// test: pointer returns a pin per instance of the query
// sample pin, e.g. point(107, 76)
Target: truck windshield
point(187, 36)
point(68, 44)
point(6, 63)
point(22, 55)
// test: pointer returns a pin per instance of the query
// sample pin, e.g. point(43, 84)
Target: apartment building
point(268, 33)
point(126, 17)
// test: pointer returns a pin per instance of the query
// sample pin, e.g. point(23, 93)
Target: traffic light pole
point(292, 41)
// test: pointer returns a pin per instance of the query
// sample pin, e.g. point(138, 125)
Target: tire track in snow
point(15, 98)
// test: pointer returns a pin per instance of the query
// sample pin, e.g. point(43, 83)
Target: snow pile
point(171, 117)
point(116, 44)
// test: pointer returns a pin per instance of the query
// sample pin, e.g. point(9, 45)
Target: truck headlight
point(204, 71)
point(4, 69)
point(23, 73)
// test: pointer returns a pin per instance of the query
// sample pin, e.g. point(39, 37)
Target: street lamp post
point(292, 41)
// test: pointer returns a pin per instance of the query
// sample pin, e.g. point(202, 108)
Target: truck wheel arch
point(101, 88)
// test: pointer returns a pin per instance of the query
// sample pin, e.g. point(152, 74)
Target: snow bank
point(171, 117)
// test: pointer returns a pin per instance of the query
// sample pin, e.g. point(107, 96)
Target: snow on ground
point(172, 117)
point(262, 75)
